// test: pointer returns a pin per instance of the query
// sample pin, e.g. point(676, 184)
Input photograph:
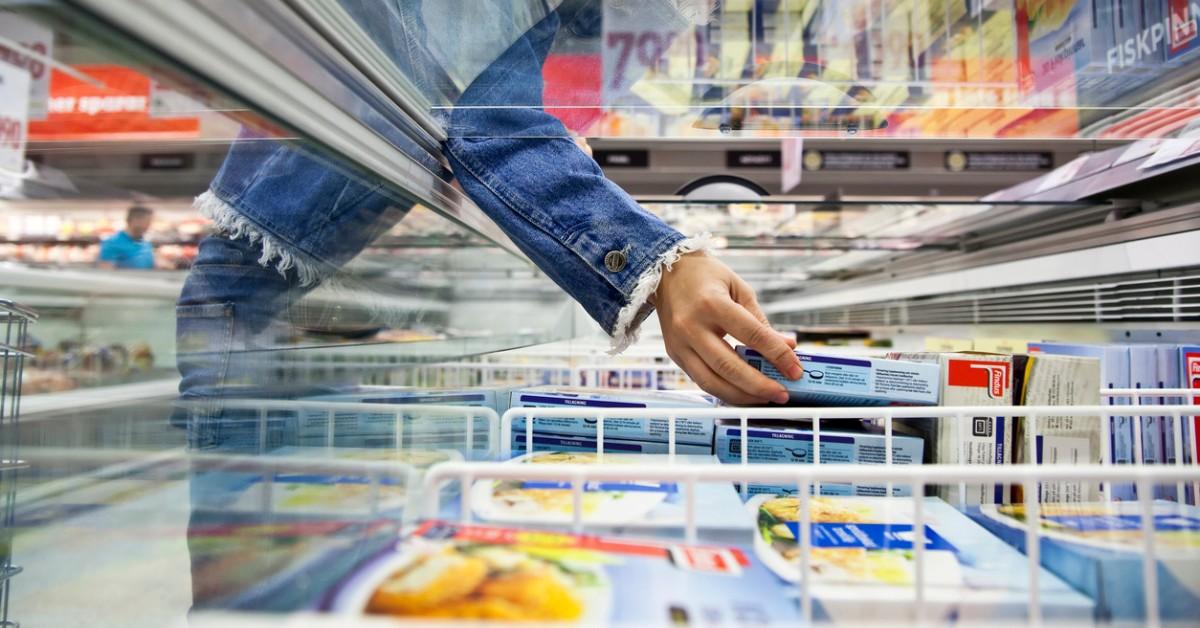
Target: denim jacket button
point(615, 261)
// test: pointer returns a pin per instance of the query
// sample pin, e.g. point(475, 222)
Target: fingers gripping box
point(843, 381)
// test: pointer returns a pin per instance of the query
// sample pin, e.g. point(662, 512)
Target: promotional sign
point(14, 105)
point(636, 39)
point(1182, 19)
point(39, 39)
point(118, 109)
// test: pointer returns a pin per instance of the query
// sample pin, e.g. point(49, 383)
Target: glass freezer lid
point(1003, 69)
point(777, 225)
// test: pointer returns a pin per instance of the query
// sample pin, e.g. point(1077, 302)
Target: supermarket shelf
point(1098, 178)
point(146, 285)
point(165, 285)
point(89, 398)
point(222, 43)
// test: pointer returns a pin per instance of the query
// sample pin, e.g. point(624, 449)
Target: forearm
point(582, 230)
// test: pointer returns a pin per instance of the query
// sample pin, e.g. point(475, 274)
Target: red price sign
point(637, 37)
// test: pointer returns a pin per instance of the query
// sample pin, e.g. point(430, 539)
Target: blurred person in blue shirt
point(129, 249)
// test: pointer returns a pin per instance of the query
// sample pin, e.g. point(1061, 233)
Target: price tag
point(793, 163)
point(636, 39)
point(14, 117)
point(39, 39)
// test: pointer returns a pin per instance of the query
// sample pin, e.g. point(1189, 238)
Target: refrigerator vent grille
point(1141, 298)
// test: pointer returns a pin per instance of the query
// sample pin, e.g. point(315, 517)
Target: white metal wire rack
point(959, 416)
point(176, 465)
point(609, 374)
point(322, 423)
point(807, 476)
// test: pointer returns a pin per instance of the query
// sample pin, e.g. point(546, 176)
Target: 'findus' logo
point(992, 376)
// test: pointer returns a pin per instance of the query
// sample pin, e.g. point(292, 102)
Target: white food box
point(969, 379)
point(1114, 373)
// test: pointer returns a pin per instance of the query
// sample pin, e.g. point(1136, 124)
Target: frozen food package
point(298, 492)
point(433, 429)
point(648, 504)
point(1098, 549)
point(970, 379)
point(1143, 373)
point(862, 567)
point(1114, 373)
point(786, 443)
point(553, 442)
point(853, 381)
point(476, 572)
point(693, 431)
point(1059, 380)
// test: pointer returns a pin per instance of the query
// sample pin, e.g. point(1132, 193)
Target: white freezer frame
point(263, 407)
point(887, 415)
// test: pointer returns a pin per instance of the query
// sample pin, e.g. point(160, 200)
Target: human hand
point(699, 301)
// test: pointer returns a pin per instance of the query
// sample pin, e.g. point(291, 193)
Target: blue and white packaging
point(1143, 373)
point(863, 569)
point(644, 506)
point(368, 429)
point(554, 442)
point(1167, 367)
point(1114, 373)
point(1097, 548)
point(844, 381)
point(776, 442)
point(475, 573)
point(696, 431)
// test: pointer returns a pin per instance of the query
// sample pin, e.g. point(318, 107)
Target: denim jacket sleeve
point(519, 164)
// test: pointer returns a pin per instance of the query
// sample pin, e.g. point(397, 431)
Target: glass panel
point(810, 68)
point(864, 224)
point(101, 231)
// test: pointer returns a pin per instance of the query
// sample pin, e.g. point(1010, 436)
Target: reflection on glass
point(964, 68)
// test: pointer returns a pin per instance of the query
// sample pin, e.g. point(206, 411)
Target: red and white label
point(705, 559)
point(1183, 24)
point(1192, 380)
point(995, 377)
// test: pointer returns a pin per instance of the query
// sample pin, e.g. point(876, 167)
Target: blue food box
point(776, 442)
point(1097, 548)
point(694, 431)
point(368, 429)
point(554, 442)
point(845, 381)
point(454, 571)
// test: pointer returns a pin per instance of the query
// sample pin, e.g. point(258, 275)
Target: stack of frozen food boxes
point(621, 435)
point(830, 380)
